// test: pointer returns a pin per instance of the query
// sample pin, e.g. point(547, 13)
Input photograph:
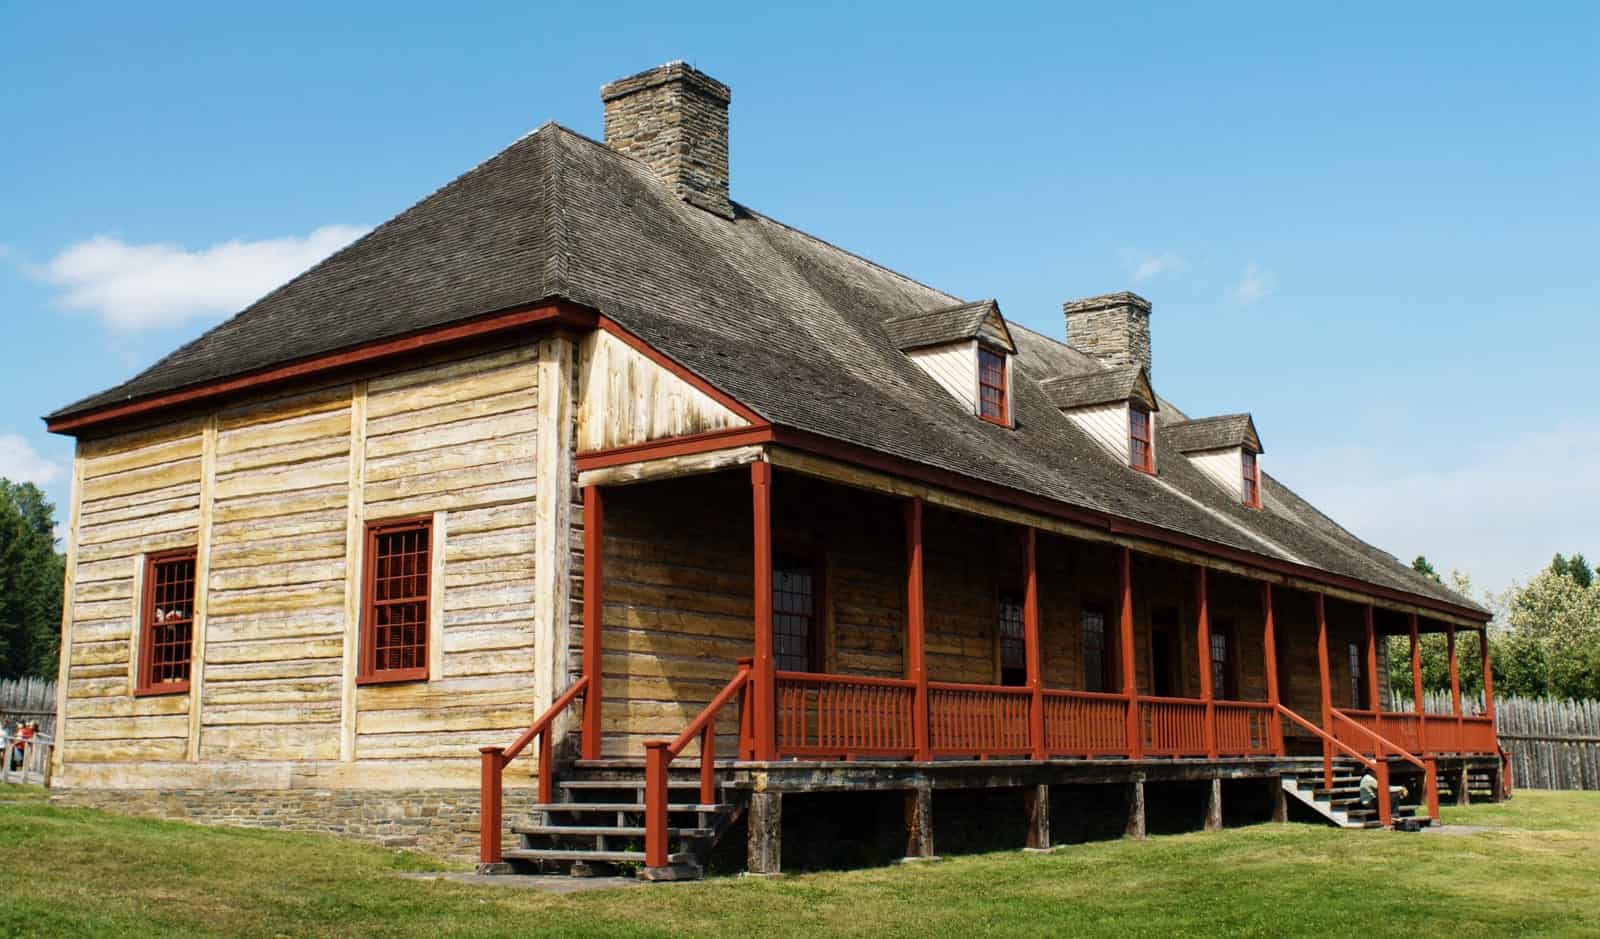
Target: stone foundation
point(435, 821)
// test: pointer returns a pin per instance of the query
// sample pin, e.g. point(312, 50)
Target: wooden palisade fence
point(29, 699)
point(1552, 744)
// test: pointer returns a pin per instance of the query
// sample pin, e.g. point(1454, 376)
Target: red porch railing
point(1429, 734)
point(492, 778)
point(844, 715)
point(978, 720)
point(1378, 768)
point(1173, 726)
point(1085, 723)
point(1244, 728)
point(1351, 733)
point(659, 754)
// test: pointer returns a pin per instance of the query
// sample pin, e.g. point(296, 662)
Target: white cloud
point(1254, 284)
point(1499, 515)
point(19, 462)
point(147, 286)
point(1142, 267)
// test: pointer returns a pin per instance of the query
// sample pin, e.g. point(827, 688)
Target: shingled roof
point(1215, 433)
point(1123, 383)
point(950, 324)
point(789, 325)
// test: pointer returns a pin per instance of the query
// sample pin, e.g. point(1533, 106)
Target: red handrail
point(660, 753)
point(1378, 768)
point(492, 780)
point(1430, 769)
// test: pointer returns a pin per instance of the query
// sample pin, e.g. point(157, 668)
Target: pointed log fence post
point(1130, 677)
point(763, 700)
point(1327, 690)
point(916, 630)
point(1030, 635)
point(1269, 643)
point(1203, 644)
point(593, 616)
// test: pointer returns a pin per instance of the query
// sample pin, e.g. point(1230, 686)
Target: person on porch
point(1369, 790)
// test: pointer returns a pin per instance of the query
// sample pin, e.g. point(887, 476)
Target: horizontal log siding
point(140, 495)
point(456, 441)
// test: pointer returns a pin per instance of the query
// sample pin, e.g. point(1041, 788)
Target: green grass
point(78, 872)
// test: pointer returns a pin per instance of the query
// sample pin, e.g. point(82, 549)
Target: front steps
point(1341, 805)
point(597, 823)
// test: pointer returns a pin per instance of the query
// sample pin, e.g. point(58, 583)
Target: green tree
point(31, 574)
point(1576, 567)
point(1421, 566)
point(1553, 626)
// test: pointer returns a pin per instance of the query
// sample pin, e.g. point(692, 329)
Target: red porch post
point(1203, 643)
point(1327, 689)
point(1269, 642)
point(1030, 636)
point(1455, 681)
point(1373, 701)
point(764, 699)
point(1416, 686)
point(1488, 678)
point(1130, 677)
point(916, 630)
point(593, 618)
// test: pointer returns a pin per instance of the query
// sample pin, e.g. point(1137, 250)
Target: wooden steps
point(1341, 804)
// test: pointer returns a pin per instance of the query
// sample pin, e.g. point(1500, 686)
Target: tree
point(31, 574)
point(1576, 567)
point(1421, 566)
point(1553, 626)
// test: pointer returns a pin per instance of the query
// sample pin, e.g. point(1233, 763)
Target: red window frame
point(1141, 439)
point(994, 405)
point(396, 609)
point(1250, 472)
point(166, 623)
point(1011, 641)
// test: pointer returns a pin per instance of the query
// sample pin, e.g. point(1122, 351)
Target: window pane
point(991, 384)
point(1013, 642)
point(398, 618)
point(1094, 650)
point(170, 624)
point(793, 617)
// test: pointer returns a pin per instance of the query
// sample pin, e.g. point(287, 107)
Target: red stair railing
point(491, 803)
point(658, 756)
point(1378, 768)
point(1384, 748)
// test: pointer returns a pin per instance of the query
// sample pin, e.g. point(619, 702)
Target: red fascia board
point(675, 446)
point(553, 313)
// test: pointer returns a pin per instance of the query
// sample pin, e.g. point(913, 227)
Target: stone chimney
point(674, 118)
point(1114, 328)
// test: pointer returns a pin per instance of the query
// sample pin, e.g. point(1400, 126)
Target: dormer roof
point(979, 319)
point(1214, 433)
point(1128, 383)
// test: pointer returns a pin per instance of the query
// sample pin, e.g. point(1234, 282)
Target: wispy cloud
point(1142, 266)
point(19, 462)
point(1499, 515)
point(132, 287)
point(1254, 284)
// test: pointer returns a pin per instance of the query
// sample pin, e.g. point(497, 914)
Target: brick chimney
point(1114, 328)
point(675, 119)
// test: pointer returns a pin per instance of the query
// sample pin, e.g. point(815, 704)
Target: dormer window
point(1141, 442)
point(1251, 474)
point(992, 403)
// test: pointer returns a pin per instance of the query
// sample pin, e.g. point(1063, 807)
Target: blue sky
point(1378, 231)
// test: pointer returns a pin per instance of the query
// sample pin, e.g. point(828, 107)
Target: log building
point(577, 467)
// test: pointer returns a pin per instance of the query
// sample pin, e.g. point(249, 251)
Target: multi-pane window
point(1252, 480)
point(1224, 675)
point(794, 617)
point(992, 386)
point(394, 643)
point(1355, 676)
point(1141, 454)
point(167, 633)
point(1094, 651)
point(1013, 642)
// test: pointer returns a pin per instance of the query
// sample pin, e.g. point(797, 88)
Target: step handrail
point(491, 802)
point(1381, 744)
point(1378, 768)
point(659, 754)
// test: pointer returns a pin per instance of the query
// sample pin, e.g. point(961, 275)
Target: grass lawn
point(78, 872)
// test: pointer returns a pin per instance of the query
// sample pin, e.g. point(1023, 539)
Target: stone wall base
point(435, 821)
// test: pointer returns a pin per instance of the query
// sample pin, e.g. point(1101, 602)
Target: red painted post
point(1327, 690)
point(492, 762)
point(1488, 681)
point(1455, 682)
point(1373, 701)
point(1030, 633)
point(656, 762)
point(747, 737)
point(708, 764)
point(1130, 676)
point(764, 698)
point(1416, 687)
point(1203, 645)
point(593, 617)
point(547, 769)
point(916, 630)
point(1430, 783)
point(1269, 631)
point(1385, 803)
